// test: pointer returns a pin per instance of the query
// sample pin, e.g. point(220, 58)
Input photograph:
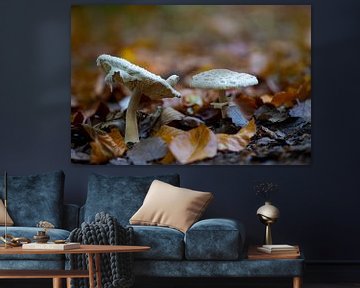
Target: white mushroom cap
point(133, 76)
point(222, 79)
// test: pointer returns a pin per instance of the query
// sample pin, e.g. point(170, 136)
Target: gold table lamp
point(268, 214)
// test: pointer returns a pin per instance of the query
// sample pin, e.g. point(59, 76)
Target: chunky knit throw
point(116, 268)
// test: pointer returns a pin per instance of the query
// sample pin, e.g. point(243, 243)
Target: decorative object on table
point(116, 268)
point(268, 213)
point(255, 254)
point(42, 236)
point(11, 241)
point(51, 246)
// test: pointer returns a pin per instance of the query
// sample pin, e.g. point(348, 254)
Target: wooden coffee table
point(92, 251)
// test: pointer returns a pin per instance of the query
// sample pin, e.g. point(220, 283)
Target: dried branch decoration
point(264, 189)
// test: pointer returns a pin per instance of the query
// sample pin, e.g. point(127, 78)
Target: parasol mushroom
point(221, 80)
point(139, 81)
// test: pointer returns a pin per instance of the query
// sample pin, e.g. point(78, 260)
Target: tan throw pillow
point(10, 222)
point(170, 206)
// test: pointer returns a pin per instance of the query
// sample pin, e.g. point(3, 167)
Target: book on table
point(51, 246)
point(255, 254)
point(278, 249)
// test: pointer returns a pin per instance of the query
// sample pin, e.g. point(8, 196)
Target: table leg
point(91, 270)
point(297, 282)
point(98, 270)
point(57, 283)
point(68, 282)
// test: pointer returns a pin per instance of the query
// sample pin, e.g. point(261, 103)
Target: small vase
point(41, 237)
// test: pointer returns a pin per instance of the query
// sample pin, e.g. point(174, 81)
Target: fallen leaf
point(147, 122)
point(167, 133)
point(191, 122)
point(80, 157)
point(196, 144)
point(77, 118)
point(247, 105)
point(284, 99)
point(302, 110)
point(96, 113)
point(236, 116)
point(271, 114)
point(146, 150)
point(237, 142)
point(169, 114)
point(266, 98)
point(105, 146)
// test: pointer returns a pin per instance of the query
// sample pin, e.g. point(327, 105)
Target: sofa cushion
point(214, 239)
point(9, 221)
point(165, 243)
point(119, 196)
point(29, 232)
point(170, 206)
point(35, 198)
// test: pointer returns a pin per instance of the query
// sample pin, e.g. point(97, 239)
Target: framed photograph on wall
point(191, 84)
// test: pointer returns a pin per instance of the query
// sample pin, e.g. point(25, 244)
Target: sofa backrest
point(35, 198)
point(118, 195)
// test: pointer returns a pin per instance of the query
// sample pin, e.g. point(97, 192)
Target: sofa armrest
point(71, 216)
point(215, 239)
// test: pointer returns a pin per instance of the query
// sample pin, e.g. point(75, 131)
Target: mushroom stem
point(223, 99)
point(131, 128)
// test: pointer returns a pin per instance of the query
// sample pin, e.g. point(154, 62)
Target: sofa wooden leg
point(297, 282)
point(68, 282)
point(57, 283)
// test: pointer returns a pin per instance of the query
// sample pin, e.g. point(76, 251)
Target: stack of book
point(278, 249)
point(274, 252)
point(51, 246)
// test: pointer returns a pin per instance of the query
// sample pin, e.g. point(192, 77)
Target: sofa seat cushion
point(214, 239)
point(29, 232)
point(120, 196)
point(166, 243)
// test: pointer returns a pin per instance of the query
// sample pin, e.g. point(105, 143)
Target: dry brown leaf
point(284, 99)
point(147, 150)
point(292, 95)
point(238, 141)
point(105, 145)
point(197, 144)
point(266, 98)
point(167, 133)
point(169, 114)
point(247, 105)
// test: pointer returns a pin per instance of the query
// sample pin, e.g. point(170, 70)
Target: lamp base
point(268, 237)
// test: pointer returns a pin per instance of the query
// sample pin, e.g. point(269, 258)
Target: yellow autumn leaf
point(194, 145)
point(236, 142)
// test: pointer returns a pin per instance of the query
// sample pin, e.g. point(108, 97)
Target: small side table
point(255, 255)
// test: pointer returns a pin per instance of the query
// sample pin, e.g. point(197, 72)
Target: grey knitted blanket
point(116, 268)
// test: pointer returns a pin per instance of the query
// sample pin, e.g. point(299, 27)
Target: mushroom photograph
point(191, 84)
